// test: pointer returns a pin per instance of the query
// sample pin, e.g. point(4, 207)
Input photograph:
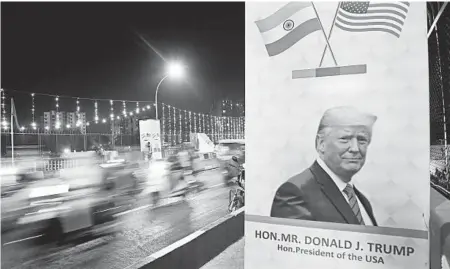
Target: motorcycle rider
point(233, 168)
point(150, 151)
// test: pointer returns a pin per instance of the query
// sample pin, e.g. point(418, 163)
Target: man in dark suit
point(325, 192)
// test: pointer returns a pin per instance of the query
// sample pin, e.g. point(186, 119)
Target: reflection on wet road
point(140, 232)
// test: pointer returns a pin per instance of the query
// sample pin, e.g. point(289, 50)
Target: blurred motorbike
point(231, 169)
point(237, 196)
point(170, 180)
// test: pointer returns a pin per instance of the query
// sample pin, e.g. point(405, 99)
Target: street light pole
point(156, 94)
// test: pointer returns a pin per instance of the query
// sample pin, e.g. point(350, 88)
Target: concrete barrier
point(195, 250)
point(439, 229)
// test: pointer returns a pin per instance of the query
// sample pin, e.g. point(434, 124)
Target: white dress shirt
point(341, 186)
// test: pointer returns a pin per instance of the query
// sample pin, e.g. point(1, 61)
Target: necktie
point(350, 192)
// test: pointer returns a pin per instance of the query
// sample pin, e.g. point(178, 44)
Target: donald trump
point(325, 191)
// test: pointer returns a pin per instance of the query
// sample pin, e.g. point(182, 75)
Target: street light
point(175, 70)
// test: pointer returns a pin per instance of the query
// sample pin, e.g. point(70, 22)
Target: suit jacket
point(312, 195)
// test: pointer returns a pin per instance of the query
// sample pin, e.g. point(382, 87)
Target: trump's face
point(344, 149)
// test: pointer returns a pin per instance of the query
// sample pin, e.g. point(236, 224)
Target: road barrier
point(195, 250)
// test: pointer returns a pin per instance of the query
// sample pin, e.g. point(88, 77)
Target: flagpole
point(324, 34)
point(329, 35)
point(12, 131)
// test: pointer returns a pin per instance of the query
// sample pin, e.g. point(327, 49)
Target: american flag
point(367, 17)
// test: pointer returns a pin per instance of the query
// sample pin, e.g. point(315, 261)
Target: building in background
point(53, 120)
point(228, 108)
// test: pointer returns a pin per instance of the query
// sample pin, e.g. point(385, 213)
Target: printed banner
point(338, 134)
point(150, 134)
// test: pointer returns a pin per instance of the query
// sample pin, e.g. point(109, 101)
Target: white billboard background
point(150, 131)
point(282, 114)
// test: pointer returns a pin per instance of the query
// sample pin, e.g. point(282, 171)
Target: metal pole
point(436, 19)
point(329, 34)
point(324, 34)
point(12, 131)
point(156, 95)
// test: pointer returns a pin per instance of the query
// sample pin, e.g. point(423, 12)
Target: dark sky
point(93, 50)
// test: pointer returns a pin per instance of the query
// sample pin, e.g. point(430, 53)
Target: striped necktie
point(350, 192)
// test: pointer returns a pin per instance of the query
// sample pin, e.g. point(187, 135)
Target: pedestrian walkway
point(231, 258)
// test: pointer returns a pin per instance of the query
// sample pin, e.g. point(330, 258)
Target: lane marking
point(170, 203)
point(21, 240)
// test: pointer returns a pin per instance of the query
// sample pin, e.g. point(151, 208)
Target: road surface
point(141, 232)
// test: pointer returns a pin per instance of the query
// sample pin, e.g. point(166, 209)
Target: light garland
point(174, 130)
point(186, 130)
point(4, 121)
point(58, 122)
point(190, 123)
point(202, 121)
point(96, 112)
point(180, 138)
point(195, 122)
point(213, 126)
point(33, 122)
point(223, 127)
point(239, 128)
point(163, 123)
point(235, 128)
point(208, 127)
point(211, 119)
point(124, 111)
point(169, 126)
point(111, 115)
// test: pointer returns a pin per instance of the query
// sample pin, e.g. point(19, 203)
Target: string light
point(190, 123)
point(96, 112)
point(124, 111)
point(180, 138)
point(228, 127)
point(58, 123)
point(211, 124)
point(195, 122)
point(4, 121)
point(186, 125)
point(33, 123)
point(239, 128)
point(174, 129)
point(234, 128)
point(111, 104)
point(222, 128)
point(170, 125)
point(78, 124)
point(203, 123)
point(164, 123)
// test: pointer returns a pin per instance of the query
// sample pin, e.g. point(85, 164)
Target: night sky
point(94, 50)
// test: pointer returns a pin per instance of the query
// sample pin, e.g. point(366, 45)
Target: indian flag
point(287, 26)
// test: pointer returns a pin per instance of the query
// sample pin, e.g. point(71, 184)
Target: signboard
point(149, 131)
point(337, 94)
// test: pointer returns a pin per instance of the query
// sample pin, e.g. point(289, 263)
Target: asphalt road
point(140, 232)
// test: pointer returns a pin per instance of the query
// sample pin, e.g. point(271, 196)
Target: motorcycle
point(237, 196)
point(232, 169)
point(180, 183)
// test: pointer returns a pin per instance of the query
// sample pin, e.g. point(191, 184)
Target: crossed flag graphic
point(295, 21)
